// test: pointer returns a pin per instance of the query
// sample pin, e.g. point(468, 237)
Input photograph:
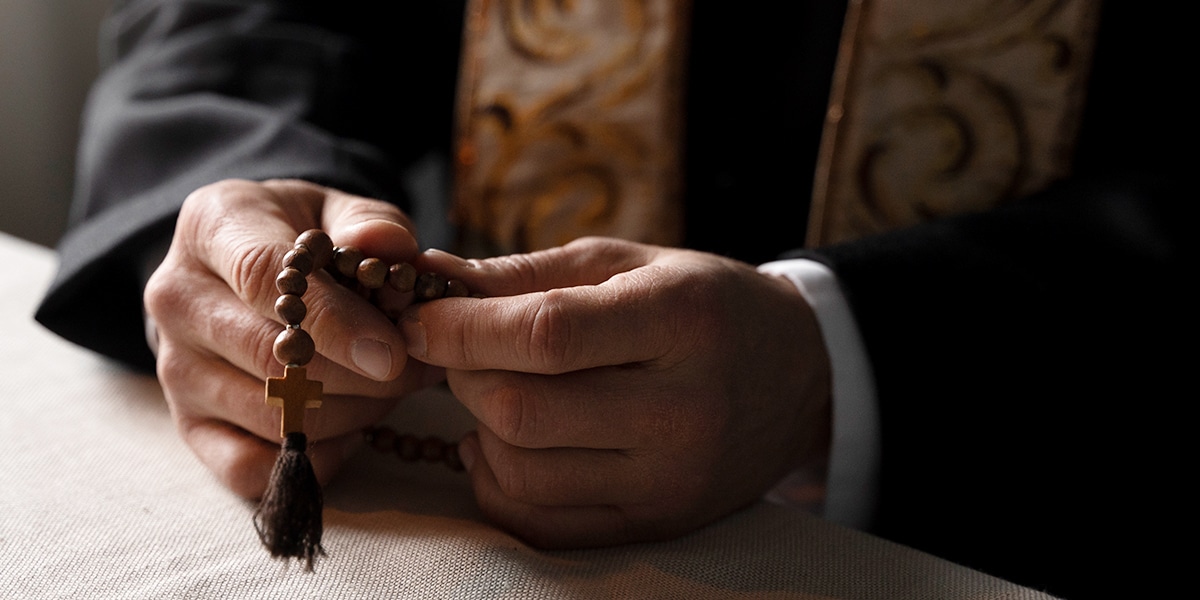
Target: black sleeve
point(1029, 361)
point(1028, 366)
point(204, 90)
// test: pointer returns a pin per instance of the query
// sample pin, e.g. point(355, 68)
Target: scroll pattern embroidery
point(569, 123)
point(946, 107)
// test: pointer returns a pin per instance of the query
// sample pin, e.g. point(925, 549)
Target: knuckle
point(591, 245)
point(513, 480)
point(252, 269)
point(162, 296)
point(520, 269)
point(237, 465)
point(287, 185)
point(210, 217)
point(214, 197)
point(259, 345)
point(511, 416)
point(550, 343)
point(695, 326)
point(172, 369)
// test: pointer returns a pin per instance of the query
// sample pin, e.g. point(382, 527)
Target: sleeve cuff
point(850, 489)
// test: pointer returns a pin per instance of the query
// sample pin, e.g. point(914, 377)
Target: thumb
point(348, 330)
point(379, 229)
point(584, 305)
point(586, 261)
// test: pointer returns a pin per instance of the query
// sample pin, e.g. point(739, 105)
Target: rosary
point(288, 518)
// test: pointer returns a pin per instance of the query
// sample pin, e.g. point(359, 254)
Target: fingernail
point(454, 258)
point(373, 357)
point(414, 333)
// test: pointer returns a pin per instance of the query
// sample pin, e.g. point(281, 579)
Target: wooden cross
point(293, 393)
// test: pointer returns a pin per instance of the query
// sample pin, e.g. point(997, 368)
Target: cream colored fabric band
point(569, 123)
point(947, 107)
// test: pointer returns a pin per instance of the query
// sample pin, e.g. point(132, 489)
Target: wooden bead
point(408, 447)
point(432, 449)
point(429, 286)
point(372, 273)
point(382, 439)
point(451, 458)
point(402, 277)
point(294, 346)
point(346, 259)
point(456, 289)
point(291, 309)
point(299, 258)
point(291, 281)
point(319, 245)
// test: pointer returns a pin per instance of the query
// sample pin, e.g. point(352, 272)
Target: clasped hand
point(623, 392)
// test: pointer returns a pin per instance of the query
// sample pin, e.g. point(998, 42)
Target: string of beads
point(350, 267)
point(288, 518)
point(410, 448)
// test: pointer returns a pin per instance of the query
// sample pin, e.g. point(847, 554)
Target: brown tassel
point(288, 518)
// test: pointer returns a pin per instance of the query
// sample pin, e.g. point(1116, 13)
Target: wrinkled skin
point(624, 392)
point(212, 303)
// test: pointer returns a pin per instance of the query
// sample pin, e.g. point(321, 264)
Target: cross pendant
point(294, 393)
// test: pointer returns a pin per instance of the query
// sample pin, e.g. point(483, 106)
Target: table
point(101, 499)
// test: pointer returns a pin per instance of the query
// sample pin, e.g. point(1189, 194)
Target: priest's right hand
point(212, 304)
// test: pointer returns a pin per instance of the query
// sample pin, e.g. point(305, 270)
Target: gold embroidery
point(945, 107)
point(569, 123)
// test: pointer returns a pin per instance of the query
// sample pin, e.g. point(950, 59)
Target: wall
point(47, 60)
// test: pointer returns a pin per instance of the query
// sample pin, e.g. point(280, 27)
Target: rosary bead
point(346, 259)
point(294, 347)
point(430, 286)
point(299, 258)
point(432, 449)
point(382, 439)
point(291, 281)
point(402, 277)
point(408, 447)
point(319, 245)
point(456, 289)
point(451, 458)
point(372, 273)
point(291, 309)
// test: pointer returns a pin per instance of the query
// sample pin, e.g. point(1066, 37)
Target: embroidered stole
point(569, 118)
point(569, 122)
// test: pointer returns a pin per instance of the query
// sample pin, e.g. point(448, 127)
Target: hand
point(624, 392)
point(212, 301)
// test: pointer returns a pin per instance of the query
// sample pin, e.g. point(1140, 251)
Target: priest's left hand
point(624, 392)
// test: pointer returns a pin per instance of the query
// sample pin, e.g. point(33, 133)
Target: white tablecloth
point(100, 499)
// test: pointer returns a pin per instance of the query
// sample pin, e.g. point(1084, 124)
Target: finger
point(569, 476)
point(587, 261)
point(243, 461)
point(603, 408)
point(347, 329)
point(542, 526)
point(615, 322)
point(578, 526)
point(207, 388)
point(379, 229)
point(240, 231)
point(210, 317)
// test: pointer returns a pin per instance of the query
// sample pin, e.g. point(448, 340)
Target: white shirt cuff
point(850, 490)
